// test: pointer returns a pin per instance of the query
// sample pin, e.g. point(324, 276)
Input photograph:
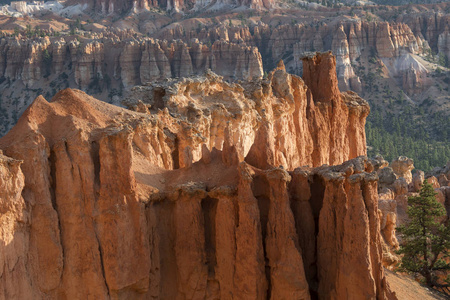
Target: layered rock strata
point(132, 62)
point(109, 63)
point(394, 43)
point(114, 203)
point(108, 7)
point(232, 52)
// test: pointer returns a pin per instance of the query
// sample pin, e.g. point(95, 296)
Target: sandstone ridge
point(189, 201)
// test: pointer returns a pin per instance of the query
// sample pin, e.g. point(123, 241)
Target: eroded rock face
point(14, 231)
point(278, 121)
point(119, 204)
point(108, 63)
point(124, 6)
point(395, 45)
point(396, 185)
point(132, 61)
point(417, 181)
point(335, 215)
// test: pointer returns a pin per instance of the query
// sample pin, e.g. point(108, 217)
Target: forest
point(424, 138)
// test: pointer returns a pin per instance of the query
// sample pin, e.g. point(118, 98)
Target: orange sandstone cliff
point(202, 192)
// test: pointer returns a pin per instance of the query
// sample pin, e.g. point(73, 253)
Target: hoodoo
point(206, 190)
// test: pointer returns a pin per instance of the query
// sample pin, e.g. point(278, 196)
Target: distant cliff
point(123, 6)
point(108, 64)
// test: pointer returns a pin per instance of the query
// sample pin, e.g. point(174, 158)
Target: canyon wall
point(234, 52)
point(354, 42)
point(351, 41)
point(14, 231)
point(430, 26)
point(108, 64)
point(109, 7)
point(130, 62)
point(112, 203)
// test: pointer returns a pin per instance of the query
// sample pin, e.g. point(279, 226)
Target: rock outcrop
point(351, 42)
point(132, 62)
point(429, 26)
point(402, 167)
point(109, 7)
point(278, 121)
point(108, 63)
point(396, 184)
point(118, 204)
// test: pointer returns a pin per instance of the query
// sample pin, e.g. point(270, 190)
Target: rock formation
point(350, 41)
point(123, 6)
point(429, 26)
point(108, 63)
point(396, 184)
point(132, 62)
point(402, 167)
point(120, 204)
point(278, 121)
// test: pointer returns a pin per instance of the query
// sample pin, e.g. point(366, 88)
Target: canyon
point(215, 149)
point(201, 191)
point(389, 55)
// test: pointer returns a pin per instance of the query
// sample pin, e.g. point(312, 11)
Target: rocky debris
point(117, 204)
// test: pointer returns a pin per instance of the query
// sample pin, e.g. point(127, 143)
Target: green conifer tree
point(426, 241)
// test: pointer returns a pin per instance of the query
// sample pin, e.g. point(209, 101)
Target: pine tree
point(426, 241)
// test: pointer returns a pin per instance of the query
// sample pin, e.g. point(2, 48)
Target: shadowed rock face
point(113, 203)
point(123, 6)
point(131, 62)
